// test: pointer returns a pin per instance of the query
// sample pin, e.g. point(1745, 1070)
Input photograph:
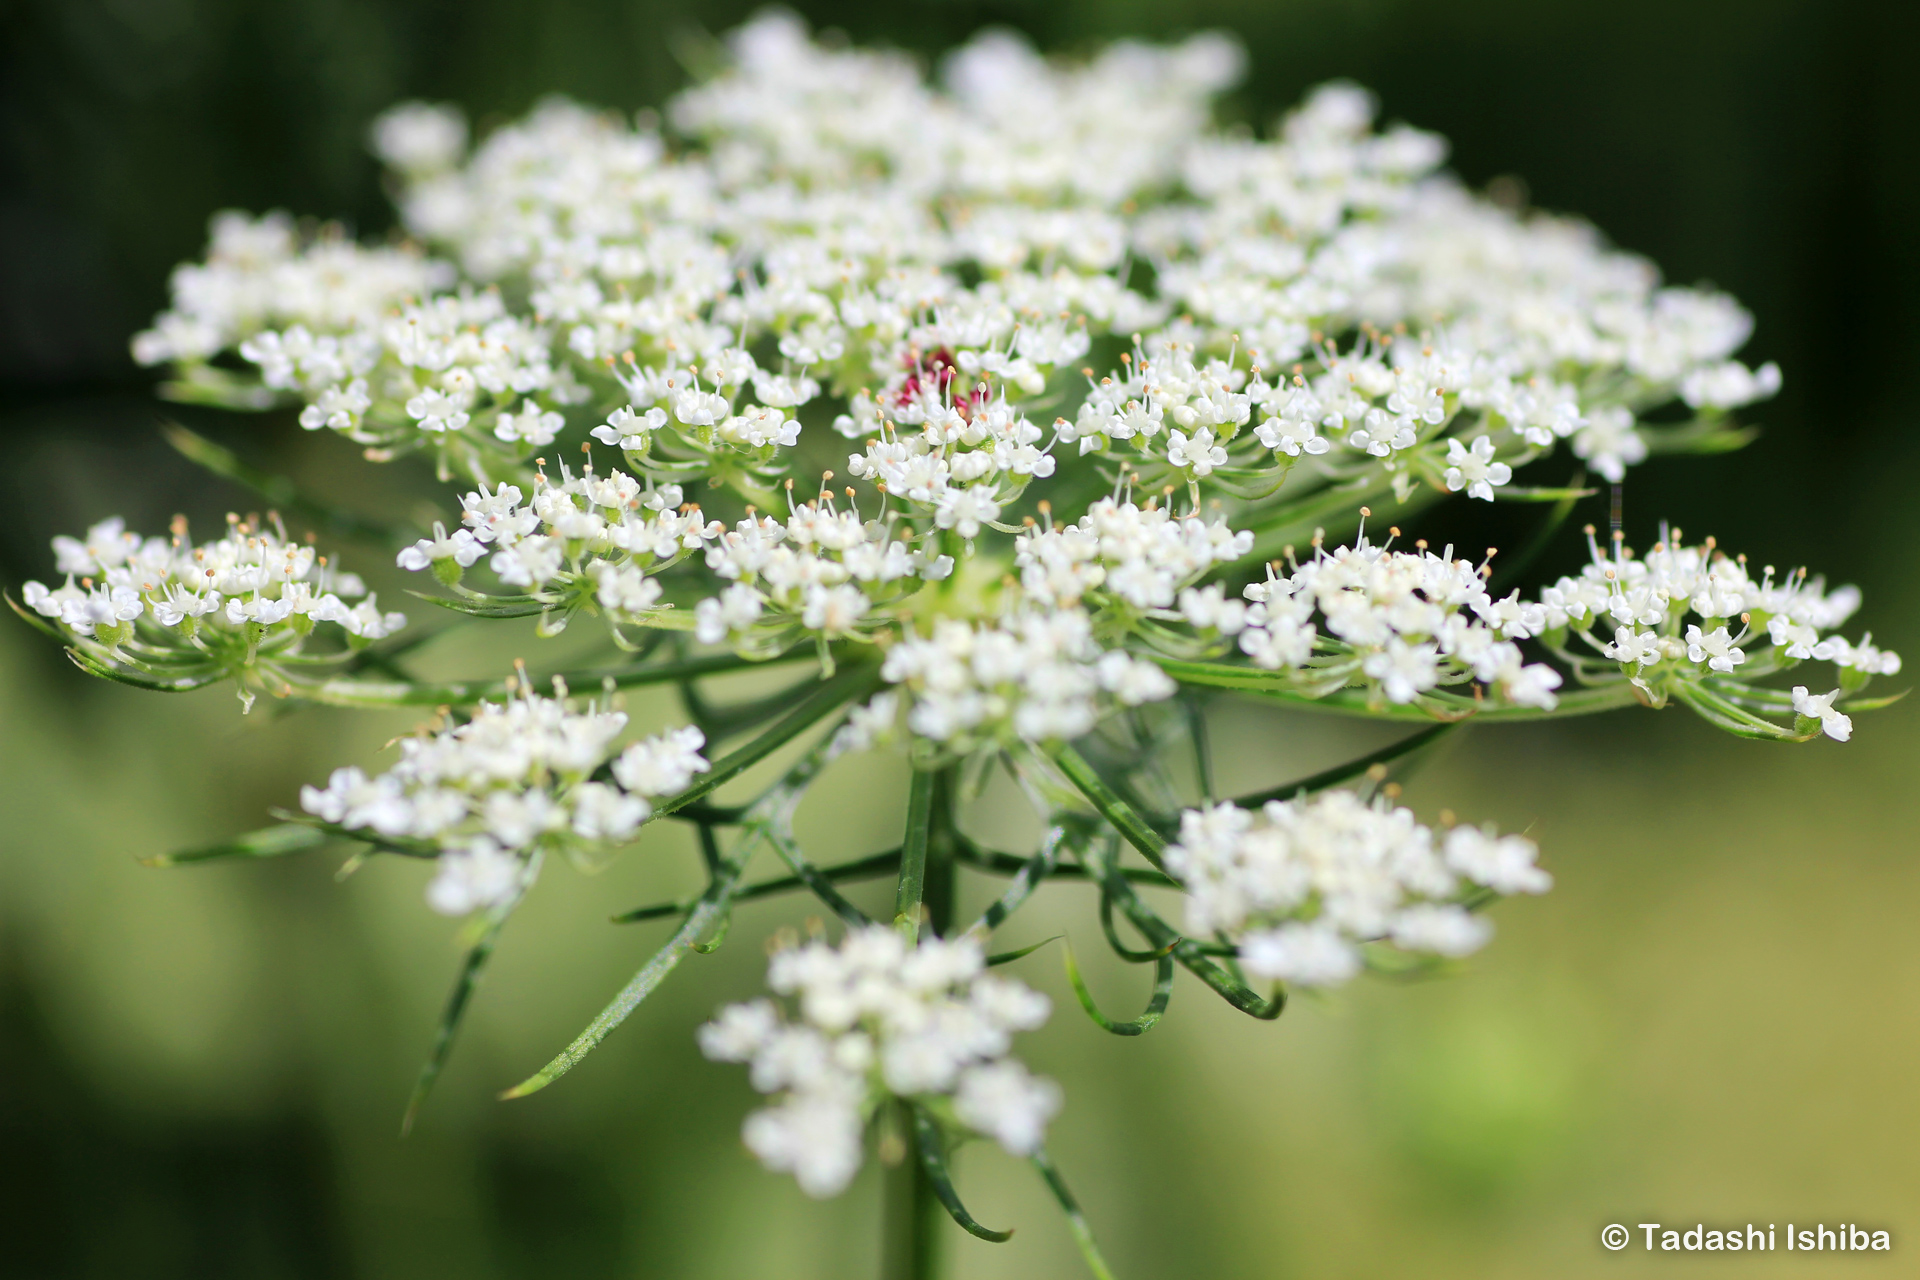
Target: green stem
point(1123, 817)
point(910, 1209)
point(913, 856)
point(407, 693)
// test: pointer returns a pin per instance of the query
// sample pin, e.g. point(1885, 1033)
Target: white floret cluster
point(1032, 675)
point(1695, 612)
point(264, 274)
point(1121, 556)
point(1299, 885)
point(583, 539)
point(523, 776)
point(873, 1018)
point(1399, 624)
point(252, 590)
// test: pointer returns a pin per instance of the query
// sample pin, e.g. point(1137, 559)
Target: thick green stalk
point(910, 1208)
point(913, 856)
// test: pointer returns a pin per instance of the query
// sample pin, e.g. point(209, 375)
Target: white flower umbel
point(514, 781)
point(1299, 885)
point(1685, 619)
point(873, 1018)
point(1399, 624)
point(238, 607)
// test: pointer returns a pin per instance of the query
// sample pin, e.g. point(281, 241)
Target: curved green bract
point(1156, 1004)
point(934, 1160)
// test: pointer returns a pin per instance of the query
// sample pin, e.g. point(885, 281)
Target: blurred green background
point(1712, 1018)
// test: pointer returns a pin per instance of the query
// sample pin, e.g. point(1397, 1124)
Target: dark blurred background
point(1714, 1014)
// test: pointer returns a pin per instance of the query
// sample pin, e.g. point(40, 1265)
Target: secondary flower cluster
point(1298, 885)
point(1032, 674)
point(874, 1018)
point(1397, 623)
point(1694, 612)
point(226, 604)
point(586, 539)
point(521, 777)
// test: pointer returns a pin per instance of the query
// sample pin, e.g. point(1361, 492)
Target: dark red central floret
point(934, 371)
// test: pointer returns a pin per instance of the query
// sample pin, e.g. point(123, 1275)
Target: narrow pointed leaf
point(1008, 957)
point(1156, 1005)
point(1122, 816)
point(268, 842)
point(1076, 1221)
point(489, 607)
point(1025, 881)
point(1351, 769)
point(34, 620)
point(813, 878)
point(934, 1160)
point(450, 1018)
point(120, 675)
point(278, 490)
point(1121, 949)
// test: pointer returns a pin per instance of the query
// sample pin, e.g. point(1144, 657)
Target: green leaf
point(1156, 1005)
point(1121, 949)
point(278, 490)
point(1538, 493)
point(813, 878)
point(120, 675)
point(1076, 1221)
point(406, 693)
point(706, 915)
point(487, 606)
point(450, 1018)
point(1351, 769)
point(268, 842)
point(34, 620)
point(714, 904)
point(1188, 952)
point(934, 1160)
point(1008, 957)
point(1025, 881)
point(1874, 704)
point(1118, 813)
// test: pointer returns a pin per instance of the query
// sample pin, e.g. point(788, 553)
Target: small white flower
point(1474, 469)
point(1819, 706)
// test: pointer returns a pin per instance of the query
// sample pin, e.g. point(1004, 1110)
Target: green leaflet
point(487, 606)
point(716, 904)
point(268, 842)
point(1025, 881)
point(1351, 769)
point(1156, 1005)
point(455, 1010)
point(119, 675)
point(813, 878)
point(933, 1159)
point(404, 693)
point(277, 489)
point(1076, 1221)
point(1008, 957)
point(1122, 816)
point(879, 864)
